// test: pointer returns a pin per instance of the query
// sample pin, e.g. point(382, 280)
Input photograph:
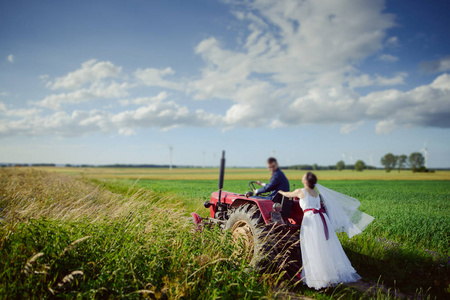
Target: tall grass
point(60, 237)
point(66, 237)
point(406, 247)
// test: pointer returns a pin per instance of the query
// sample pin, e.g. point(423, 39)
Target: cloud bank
point(297, 63)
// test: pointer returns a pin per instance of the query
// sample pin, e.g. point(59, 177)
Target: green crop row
point(407, 245)
point(414, 213)
point(96, 238)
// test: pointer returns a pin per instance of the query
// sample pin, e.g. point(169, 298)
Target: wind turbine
point(204, 159)
point(344, 157)
point(214, 159)
point(170, 156)
point(425, 153)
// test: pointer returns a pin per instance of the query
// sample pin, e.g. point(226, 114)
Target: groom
point(278, 181)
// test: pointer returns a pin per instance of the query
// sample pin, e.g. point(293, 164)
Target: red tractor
point(267, 230)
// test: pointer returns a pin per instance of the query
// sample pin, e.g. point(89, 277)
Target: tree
point(359, 166)
point(389, 161)
point(340, 165)
point(401, 161)
point(416, 161)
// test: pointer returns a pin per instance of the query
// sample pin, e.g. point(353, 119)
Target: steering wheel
point(252, 185)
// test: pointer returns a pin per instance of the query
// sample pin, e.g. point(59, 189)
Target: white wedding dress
point(324, 261)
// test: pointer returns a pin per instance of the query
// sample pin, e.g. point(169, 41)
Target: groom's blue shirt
point(278, 181)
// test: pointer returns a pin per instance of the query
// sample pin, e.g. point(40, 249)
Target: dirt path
point(372, 288)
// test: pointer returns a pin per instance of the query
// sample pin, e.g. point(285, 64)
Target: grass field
point(127, 222)
point(240, 174)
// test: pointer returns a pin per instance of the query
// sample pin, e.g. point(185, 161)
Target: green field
point(240, 174)
point(140, 242)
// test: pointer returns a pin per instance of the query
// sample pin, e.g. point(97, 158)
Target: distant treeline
point(27, 165)
point(313, 167)
point(137, 166)
point(316, 167)
point(416, 161)
point(88, 166)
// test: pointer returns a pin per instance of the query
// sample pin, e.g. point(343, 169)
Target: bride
point(324, 260)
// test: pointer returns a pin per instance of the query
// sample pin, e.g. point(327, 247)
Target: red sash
point(320, 212)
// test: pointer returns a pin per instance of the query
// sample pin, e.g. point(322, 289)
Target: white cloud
point(44, 77)
point(145, 100)
point(324, 106)
point(159, 114)
point(165, 115)
point(388, 58)
point(291, 54)
point(95, 91)
point(367, 80)
point(225, 72)
point(298, 63)
point(392, 42)
point(347, 128)
point(127, 131)
point(385, 126)
point(87, 83)
point(21, 112)
point(439, 65)
point(399, 78)
point(426, 106)
point(91, 71)
point(155, 77)
point(10, 58)
point(442, 82)
point(295, 54)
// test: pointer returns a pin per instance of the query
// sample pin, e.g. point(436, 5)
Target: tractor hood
point(265, 205)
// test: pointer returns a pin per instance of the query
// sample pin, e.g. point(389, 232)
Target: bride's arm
point(297, 193)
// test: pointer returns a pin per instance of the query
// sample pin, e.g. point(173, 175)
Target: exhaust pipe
point(222, 170)
point(222, 173)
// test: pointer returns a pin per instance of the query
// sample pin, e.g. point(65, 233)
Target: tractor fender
point(264, 206)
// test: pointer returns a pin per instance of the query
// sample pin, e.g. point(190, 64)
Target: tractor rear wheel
point(264, 246)
point(255, 241)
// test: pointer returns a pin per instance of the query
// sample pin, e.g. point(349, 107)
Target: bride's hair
point(311, 179)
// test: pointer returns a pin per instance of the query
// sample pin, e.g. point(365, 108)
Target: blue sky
point(103, 82)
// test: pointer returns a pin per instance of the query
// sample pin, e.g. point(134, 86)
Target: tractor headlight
point(276, 207)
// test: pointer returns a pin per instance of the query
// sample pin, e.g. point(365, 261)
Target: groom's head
point(272, 164)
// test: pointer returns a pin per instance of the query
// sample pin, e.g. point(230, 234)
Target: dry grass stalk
point(144, 292)
point(206, 265)
point(28, 266)
point(68, 278)
point(29, 194)
point(73, 244)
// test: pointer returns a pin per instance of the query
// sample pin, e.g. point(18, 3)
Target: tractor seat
point(286, 204)
point(286, 207)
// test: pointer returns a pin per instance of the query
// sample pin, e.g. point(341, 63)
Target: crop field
point(240, 174)
point(125, 233)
